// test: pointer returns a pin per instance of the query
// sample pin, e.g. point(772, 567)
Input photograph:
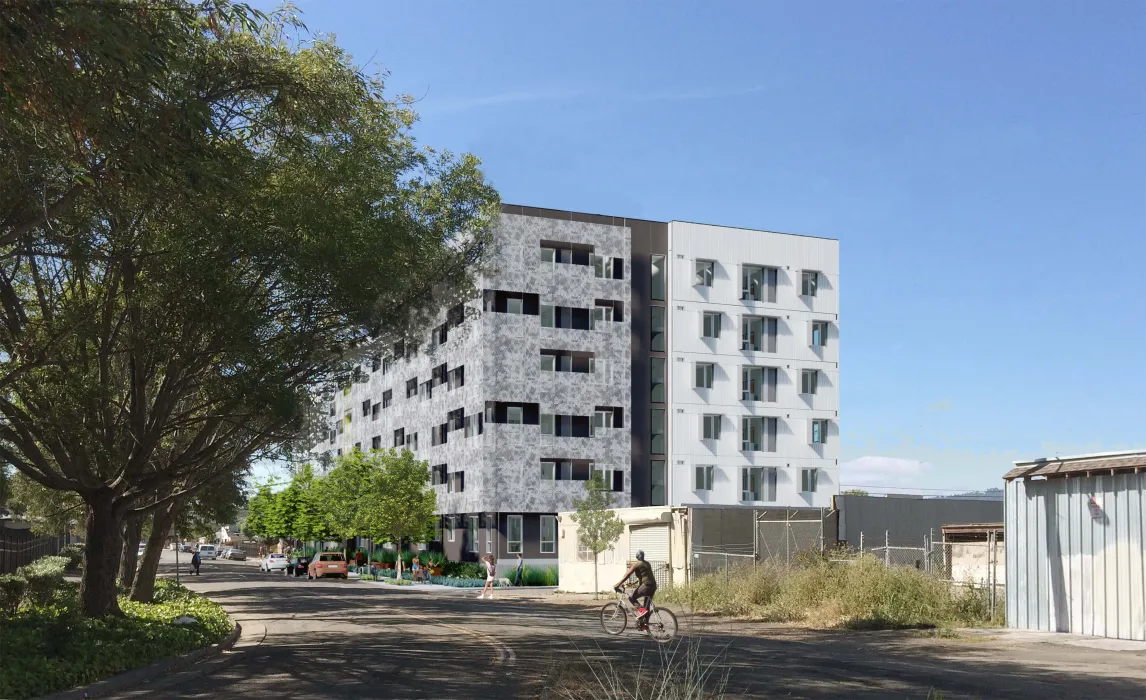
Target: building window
point(808, 480)
point(711, 327)
point(603, 420)
point(758, 484)
point(819, 434)
point(451, 526)
point(711, 427)
point(548, 534)
point(374, 411)
point(758, 334)
point(657, 328)
point(473, 534)
point(457, 377)
point(376, 442)
point(758, 433)
point(514, 306)
point(808, 381)
point(548, 363)
point(411, 388)
point(547, 315)
point(438, 475)
point(548, 470)
point(657, 376)
point(705, 371)
point(704, 477)
point(513, 534)
point(657, 431)
point(412, 442)
point(514, 415)
point(488, 539)
point(657, 275)
point(809, 282)
point(704, 271)
point(548, 256)
point(608, 268)
point(399, 437)
point(456, 482)
point(584, 553)
point(658, 494)
point(365, 408)
point(388, 398)
point(547, 423)
point(819, 334)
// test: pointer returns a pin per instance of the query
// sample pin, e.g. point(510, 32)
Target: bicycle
point(660, 623)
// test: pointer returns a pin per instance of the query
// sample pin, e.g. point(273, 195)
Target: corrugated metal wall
point(1075, 559)
point(908, 520)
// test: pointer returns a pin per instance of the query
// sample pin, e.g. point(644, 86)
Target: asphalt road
point(336, 639)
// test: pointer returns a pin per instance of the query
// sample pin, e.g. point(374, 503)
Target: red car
point(327, 564)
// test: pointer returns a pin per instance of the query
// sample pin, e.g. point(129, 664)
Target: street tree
point(402, 502)
point(202, 220)
point(597, 524)
point(344, 494)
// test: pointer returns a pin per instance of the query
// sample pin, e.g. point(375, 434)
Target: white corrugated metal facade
point(1075, 553)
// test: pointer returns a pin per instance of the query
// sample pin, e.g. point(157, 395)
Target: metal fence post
point(861, 544)
point(886, 548)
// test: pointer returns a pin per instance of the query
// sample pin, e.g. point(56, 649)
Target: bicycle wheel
point(614, 619)
point(661, 625)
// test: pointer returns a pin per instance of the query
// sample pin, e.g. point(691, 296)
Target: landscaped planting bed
point(48, 646)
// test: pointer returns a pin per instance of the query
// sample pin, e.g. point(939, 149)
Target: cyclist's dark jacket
point(644, 574)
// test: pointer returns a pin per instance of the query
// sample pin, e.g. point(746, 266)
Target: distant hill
point(995, 494)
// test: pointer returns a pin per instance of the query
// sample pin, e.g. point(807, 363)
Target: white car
point(206, 551)
point(142, 548)
point(274, 562)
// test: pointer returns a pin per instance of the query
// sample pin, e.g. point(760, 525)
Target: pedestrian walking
point(519, 571)
point(490, 570)
point(195, 562)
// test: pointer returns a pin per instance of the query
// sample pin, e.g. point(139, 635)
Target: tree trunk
point(129, 552)
point(144, 589)
point(101, 558)
point(596, 588)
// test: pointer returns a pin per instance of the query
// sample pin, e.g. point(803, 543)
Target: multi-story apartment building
point(686, 363)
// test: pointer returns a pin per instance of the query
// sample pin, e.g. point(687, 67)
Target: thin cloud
point(882, 471)
point(430, 105)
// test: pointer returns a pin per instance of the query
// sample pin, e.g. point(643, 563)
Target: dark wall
point(907, 520)
point(648, 237)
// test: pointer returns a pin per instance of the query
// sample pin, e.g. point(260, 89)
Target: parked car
point(297, 566)
point(187, 548)
point(327, 564)
point(273, 562)
point(235, 554)
point(206, 551)
point(221, 553)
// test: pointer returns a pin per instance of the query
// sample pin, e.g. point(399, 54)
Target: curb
point(134, 677)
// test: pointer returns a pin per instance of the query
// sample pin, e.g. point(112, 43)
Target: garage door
point(654, 540)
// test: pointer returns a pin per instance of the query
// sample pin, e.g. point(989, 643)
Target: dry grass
point(682, 670)
point(860, 594)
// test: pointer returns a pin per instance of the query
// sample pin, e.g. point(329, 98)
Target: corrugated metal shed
point(1076, 536)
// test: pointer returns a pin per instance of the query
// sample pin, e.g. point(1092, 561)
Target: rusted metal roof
point(1106, 463)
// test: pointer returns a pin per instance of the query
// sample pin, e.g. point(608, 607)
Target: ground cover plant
point(50, 646)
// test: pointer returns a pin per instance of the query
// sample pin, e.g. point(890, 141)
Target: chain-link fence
point(977, 564)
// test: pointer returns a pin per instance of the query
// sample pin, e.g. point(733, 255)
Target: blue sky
point(983, 165)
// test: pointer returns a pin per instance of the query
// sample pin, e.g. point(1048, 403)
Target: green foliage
point(436, 558)
point(384, 556)
point(12, 588)
point(74, 554)
point(862, 593)
point(854, 492)
point(463, 569)
point(344, 495)
point(52, 648)
point(597, 525)
point(215, 505)
point(532, 576)
point(49, 511)
point(44, 577)
point(205, 216)
point(401, 502)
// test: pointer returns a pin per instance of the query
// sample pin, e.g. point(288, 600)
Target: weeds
point(677, 671)
point(860, 594)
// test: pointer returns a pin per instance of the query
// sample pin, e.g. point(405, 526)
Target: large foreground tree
point(201, 221)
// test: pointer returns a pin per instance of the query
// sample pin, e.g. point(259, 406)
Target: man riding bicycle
point(646, 586)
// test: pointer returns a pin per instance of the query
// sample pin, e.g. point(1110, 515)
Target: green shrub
point(407, 558)
point(437, 559)
point(12, 589)
point(74, 554)
point(463, 569)
point(385, 556)
point(54, 647)
point(532, 576)
point(44, 576)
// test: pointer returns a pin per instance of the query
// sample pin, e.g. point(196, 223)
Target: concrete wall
point(730, 248)
point(970, 562)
